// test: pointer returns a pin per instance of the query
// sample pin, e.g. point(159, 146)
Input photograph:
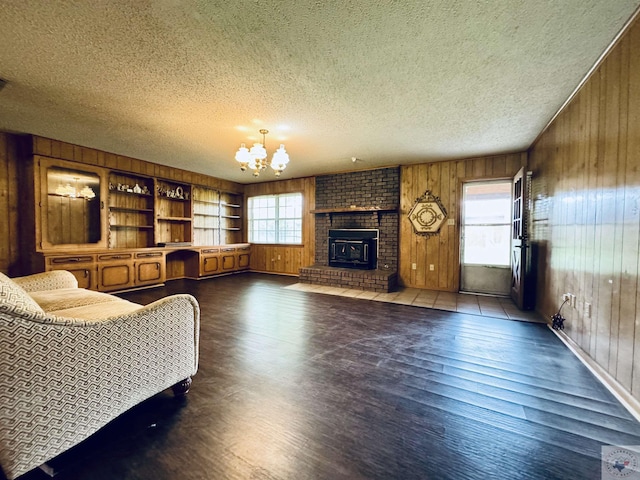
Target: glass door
point(486, 237)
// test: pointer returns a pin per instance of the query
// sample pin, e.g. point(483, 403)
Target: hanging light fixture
point(256, 158)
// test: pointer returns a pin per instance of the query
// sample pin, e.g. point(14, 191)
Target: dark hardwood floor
point(296, 385)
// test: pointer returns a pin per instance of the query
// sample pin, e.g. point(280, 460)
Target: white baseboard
point(622, 394)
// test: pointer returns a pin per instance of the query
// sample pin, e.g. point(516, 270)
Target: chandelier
point(257, 160)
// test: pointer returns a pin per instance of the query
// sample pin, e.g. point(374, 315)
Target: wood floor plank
point(300, 385)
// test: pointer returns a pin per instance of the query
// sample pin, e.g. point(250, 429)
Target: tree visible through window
point(275, 218)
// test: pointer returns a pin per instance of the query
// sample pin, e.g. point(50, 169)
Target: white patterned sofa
point(71, 360)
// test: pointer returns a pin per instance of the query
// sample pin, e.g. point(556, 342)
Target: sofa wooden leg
point(182, 388)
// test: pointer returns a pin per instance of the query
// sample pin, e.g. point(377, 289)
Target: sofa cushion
point(64, 298)
point(99, 311)
point(13, 296)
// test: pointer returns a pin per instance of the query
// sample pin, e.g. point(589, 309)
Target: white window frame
point(268, 226)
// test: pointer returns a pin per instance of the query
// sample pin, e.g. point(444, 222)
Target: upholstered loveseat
point(71, 360)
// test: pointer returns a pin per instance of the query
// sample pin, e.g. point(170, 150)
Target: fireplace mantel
point(329, 212)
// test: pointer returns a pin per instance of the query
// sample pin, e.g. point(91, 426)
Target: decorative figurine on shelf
point(145, 190)
point(137, 189)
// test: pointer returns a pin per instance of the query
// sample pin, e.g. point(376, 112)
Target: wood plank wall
point(9, 206)
point(286, 259)
point(586, 213)
point(67, 151)
point(444, 179)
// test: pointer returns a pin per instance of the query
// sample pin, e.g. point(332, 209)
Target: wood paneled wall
point(67, 151)
point(286, 259)
point(444, 179)
point(586, 213)
point(9, 205)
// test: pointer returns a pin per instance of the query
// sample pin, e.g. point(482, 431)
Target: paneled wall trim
point(586, 214)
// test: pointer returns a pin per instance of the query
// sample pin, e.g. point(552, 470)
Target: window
point(275, 218)
point(487, 223)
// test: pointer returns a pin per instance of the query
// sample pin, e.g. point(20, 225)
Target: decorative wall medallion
point(428, 214)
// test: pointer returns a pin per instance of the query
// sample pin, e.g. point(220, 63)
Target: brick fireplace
point(366, 200)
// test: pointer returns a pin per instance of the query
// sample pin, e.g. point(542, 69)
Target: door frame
point(461, 184)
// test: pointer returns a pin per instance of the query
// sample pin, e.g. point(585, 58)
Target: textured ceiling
point(388, 82)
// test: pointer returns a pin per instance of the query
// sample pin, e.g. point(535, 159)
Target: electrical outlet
point(573, 300)
point(431, 267)
point(587, 309)
point(278, 257)
point(414, 266)
point(566, 296)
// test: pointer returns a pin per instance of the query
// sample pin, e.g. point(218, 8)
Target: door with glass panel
point(485, 246)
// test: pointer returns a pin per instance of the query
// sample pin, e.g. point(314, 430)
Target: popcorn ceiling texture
point(389, 82)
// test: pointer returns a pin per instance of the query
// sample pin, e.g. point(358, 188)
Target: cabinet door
point(82, 267)
point(115, 272)
point(244, 257)
point(210, 265)
point(149, 272)
point(71, 211)
point(228, 259)
point(150, 268)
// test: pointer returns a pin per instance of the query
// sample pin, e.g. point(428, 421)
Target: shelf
point(234, 229)
point(125, 192)
point(137, 227)
point(376, 211)
point(355, 209)
point(232, 205)
point(135, 210)
point(175, 219)
point(206, 201)
point(230, 216)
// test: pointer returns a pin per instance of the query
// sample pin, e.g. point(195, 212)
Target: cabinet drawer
point(72, 260)
point(114, 256)
point(149, 254)
point(210, 250)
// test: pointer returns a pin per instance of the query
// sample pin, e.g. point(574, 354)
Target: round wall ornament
point(427, 214)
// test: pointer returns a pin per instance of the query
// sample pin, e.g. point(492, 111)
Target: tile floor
point(486, 306)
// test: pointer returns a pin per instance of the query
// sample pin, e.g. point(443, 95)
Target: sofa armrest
point(84, 373)
point(47, 281)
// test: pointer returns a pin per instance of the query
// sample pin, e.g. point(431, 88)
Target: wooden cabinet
point(149, 268)
point(83, 268)
point(228, 259)
point(131, 207)
point(243, 257)
point(173, 213)
point(70, 200)
point(210, 261)
point(115, 271)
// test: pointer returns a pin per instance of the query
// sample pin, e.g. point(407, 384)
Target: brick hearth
point(382, 281)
